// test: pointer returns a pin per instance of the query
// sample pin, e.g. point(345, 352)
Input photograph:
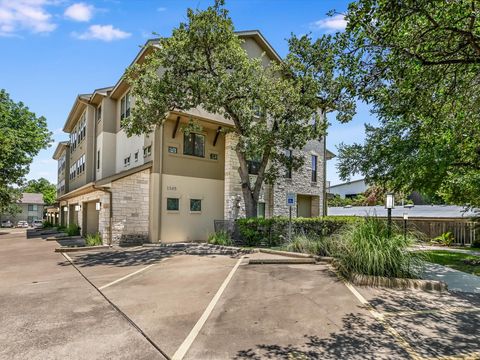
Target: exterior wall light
point(98, 206)
point(65, 208)
point(77, 207)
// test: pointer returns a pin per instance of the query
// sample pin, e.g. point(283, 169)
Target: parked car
point(37, 224)
point(7, 224)
point(22, 224)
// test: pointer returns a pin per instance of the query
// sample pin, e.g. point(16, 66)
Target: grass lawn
point(454, 260)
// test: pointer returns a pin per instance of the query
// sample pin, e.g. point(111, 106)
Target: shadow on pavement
point(357, 339)
point(145, 256)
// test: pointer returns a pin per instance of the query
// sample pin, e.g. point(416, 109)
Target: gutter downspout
point(111, 212)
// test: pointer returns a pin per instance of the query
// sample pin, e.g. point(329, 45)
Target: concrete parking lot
point(139, 303)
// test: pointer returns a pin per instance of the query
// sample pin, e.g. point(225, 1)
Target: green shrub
point(220, 238)
point(446, 239)
point(274, 231)
point(61, 228)
point(365, 248)
point(72, 230)
point(93, 239)
point(47, 224)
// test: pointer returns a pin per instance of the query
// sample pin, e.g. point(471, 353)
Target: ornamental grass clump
point(220, 238)
point(310, 244)
point(365, 248)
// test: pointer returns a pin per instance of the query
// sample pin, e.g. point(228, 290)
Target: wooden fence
point(464, 231)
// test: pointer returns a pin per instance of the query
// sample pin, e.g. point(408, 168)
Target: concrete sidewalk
point(467, 251)
point(456, 280)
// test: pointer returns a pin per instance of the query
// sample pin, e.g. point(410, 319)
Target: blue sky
point(51, 50)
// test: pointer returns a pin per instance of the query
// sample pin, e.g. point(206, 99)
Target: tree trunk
point(250, 196)
point(250, 203)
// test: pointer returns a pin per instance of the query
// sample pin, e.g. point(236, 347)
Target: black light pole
point(389, 204)
point(405, 219)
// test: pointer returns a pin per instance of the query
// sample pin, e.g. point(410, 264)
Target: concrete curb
point(297, 255)
point(57, 238)
point(397, 283)
point(286, 261)
point(81, 248)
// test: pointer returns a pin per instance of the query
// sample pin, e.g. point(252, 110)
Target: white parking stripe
point(182, 350)
point(380, 318)
point(126, 277)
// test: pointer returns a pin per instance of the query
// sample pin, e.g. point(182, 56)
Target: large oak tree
point(22, 136)
point(418, 65)
point(204, 65)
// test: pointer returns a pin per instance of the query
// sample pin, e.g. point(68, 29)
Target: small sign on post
point(291, 202)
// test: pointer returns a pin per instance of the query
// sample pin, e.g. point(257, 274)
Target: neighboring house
point(166, 186)
point(348, 189)
point(31, 205)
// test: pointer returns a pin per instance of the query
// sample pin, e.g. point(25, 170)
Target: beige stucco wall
point(186, 165)
point(184, 225)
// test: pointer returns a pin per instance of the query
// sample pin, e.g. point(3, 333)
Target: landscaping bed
point(459, 261)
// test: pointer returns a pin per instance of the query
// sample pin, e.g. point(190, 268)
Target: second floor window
point(194, 144)
point(125, 106)
point(314, 167)
point(99, 113)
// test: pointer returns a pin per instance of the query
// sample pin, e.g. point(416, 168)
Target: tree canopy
point(22, 136)
point(43, 186)
point(418, 65)
point(275, 107)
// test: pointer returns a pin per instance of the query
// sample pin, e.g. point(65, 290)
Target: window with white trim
point(124, 107)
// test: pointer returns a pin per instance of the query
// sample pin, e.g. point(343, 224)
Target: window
point(125, 107)
point(261, 210)
point(314, 168)
point(32, 208)
point(195, 205)
point(99, 113)
point(213, 156)
point(136, 156)
point(253, 166)
point(126, 161)
point(98, 160)
point(257, 111)
point(194, 144)
point(173, 204)
point(172, 149)
point(288, 171)
point(147, 151)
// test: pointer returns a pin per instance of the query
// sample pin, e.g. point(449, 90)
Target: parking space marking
point(381, 319)
point(185, 346)
point(126, 276)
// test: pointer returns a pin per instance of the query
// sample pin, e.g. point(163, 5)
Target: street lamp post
point(405, 219)
point(389, 204)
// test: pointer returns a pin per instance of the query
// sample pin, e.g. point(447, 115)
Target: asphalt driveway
point(194, 304)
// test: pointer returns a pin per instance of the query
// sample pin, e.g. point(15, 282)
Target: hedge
point(274, 231)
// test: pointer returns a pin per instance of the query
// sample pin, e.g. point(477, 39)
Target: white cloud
point(79, 12)
point(160, 9)
point(333, 23)
point(102, 32)
point(32, 15)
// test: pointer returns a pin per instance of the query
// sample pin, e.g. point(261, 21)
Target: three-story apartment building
point(166, 186)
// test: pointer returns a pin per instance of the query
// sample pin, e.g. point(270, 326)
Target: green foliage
point(48, 224)
point(93, 239)
point(204, 65)
point(22, 136)
point(220, 238)
point(417, 64)
point(446, 239)
point(458, 261)
point(72, 230)
point(43, 186)
point(274, 231)
point(314, 245)
point(365, 248)
point(61, 228)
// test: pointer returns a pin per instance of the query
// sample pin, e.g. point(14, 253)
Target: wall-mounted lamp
point(98, 206)
point(65, 208)
point(77, 207)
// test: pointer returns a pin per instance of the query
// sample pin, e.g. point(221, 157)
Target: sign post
point(291, 202)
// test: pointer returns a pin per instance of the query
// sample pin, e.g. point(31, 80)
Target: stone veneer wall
point(274, 196)
point(131, 199)
point(130, 220)
point(301, 183)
